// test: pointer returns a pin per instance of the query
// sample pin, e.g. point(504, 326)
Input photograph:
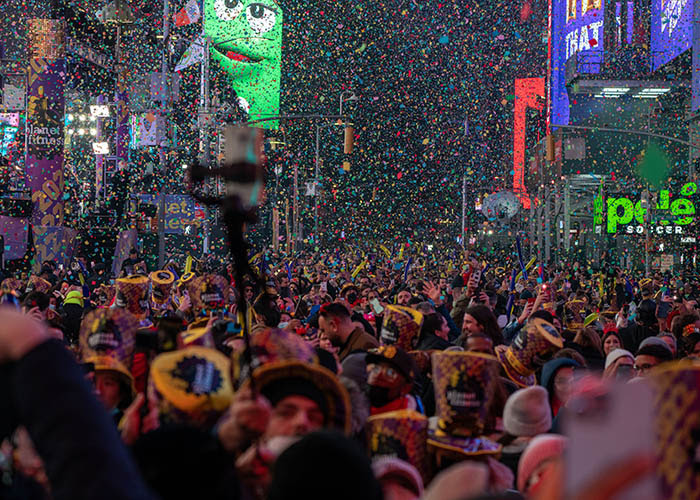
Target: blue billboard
point(671, 30)
point(576, 32)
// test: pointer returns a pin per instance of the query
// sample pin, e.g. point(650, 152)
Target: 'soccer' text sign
point(629, 215)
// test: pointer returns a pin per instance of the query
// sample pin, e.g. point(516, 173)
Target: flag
point(189, 14)
point(193, 55)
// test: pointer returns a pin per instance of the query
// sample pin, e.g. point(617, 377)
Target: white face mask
point(283, 324)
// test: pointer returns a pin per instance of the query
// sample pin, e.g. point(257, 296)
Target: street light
point(351, 98)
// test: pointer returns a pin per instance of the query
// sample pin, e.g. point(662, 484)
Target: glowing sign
point(624, 214)
point(246, 41)
point(584, 32)
point(671, 30)
point(529, 93)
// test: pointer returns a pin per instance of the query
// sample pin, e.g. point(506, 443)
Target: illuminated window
point(587, 5)
point(571, 9)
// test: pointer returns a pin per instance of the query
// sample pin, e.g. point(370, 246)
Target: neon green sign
point(624, 214)
point(246, 40)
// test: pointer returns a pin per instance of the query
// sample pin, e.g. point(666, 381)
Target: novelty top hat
point(268, 346)
point(107, 339)
point(132, 295)
point(208, 293)
point(401, 434)
point(677, 406)
point(464, 383)
point(401, 327)
point(191, 386)
point(10, 285)
point(37, 284)
point(185, 280)
point(197, 333)
point(534, 345)
point(573, 313)
point(162, 283)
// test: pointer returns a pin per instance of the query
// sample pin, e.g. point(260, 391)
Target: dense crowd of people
point(348, 375)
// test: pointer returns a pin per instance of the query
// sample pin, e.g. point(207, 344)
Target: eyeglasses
point(387, 371)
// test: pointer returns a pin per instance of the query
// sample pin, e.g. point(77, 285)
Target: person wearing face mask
point(390, 375)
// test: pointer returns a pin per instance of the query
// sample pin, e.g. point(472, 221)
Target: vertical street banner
point(53, 243)
point(45, 120)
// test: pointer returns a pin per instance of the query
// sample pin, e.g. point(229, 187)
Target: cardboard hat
point(396, 357)
point(573, 313)
point(185, 280)
point(269, 346)
point(191, 386)
point(10, 285)
point(37, 284)
point(208, 293)
point(107, 339)
point(400, 434)
point(422, 360)
point(287, 375)
point(677, 420)
point(464, 387)
point(534, 345)
point(132, 295)
point(108, 291)
point(197, 333)
point(401, 327)
point(465, 383)
point(162, 284)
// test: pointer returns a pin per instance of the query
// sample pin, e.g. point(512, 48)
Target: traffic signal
point(349, 140)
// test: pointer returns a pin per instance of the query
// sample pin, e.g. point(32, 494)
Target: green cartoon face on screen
point(246, 40)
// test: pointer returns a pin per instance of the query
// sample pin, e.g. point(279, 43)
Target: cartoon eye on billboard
point(246, 41)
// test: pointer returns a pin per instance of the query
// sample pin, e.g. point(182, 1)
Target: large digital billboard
point(583, 34)
point(576, 31)
point(671, 30)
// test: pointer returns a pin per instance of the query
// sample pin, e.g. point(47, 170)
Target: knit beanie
point(323, 465)
point(654, 346)
point(527, 412)
point(540, 449)
point(616, 354)
point(392, 468)
point(461, 480)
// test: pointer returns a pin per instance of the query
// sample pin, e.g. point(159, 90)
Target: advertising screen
point(583, 34)
point(576, 30)
point(671, 30)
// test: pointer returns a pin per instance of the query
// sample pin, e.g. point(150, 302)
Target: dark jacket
point(633, 335)
point(431, 341)
point(359, 340)
point(83, 455)
point(594, 358)
point(455, 331)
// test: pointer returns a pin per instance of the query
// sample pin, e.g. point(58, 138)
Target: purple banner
point(45, 121)
point(559, 96)
point(122, 99)
point(671, 30)
point(54, 243)
point(14, 230)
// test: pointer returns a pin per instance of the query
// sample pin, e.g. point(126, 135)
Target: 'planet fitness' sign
point(623, 214)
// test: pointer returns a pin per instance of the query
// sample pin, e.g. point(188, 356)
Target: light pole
point(464, 186)
point(351, 98)
point(161, 149)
